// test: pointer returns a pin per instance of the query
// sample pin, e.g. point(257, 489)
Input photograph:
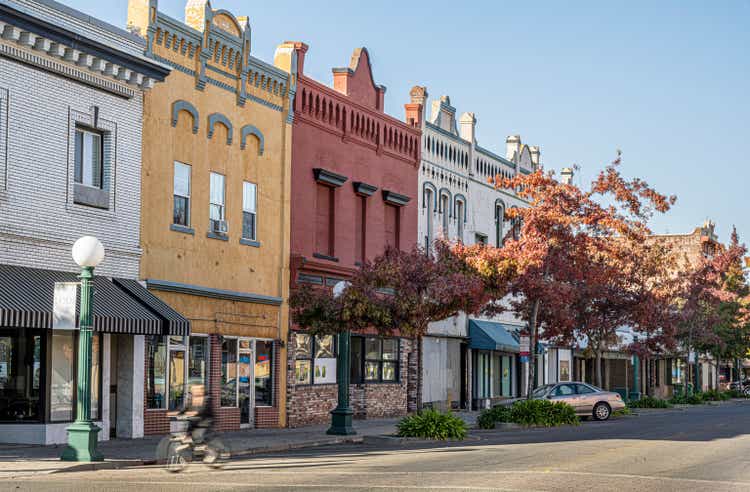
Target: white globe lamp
point(88, 252)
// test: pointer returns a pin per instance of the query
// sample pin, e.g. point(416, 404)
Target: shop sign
point(64, 306)
point(525, 345)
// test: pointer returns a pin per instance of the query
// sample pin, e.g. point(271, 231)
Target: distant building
point(467, 362)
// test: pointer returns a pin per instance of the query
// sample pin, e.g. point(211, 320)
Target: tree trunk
point(598, 354)
point(532, 347)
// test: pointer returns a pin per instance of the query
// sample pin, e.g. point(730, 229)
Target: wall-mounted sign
point(525, 345)
point(64, 306)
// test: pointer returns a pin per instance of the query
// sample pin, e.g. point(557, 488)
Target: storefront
point(495, 370)
point(38, 362)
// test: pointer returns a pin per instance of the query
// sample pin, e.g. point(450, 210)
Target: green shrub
point(431, 424)
point(716, 395)
point(649, 402)
point(543, 413)
point(694, 399)
point(488, 418)
point(733, 393)
point(622, 412)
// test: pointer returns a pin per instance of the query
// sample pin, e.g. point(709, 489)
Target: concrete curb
point(385, 439)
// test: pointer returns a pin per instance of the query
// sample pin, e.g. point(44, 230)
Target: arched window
point(499, 219)
point(459, 214)
point(445, 208)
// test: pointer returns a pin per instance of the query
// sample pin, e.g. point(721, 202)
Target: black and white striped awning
point(120, 305)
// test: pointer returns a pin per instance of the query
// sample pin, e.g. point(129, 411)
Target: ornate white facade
point(457, 202)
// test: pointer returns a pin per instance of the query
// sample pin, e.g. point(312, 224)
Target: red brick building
point(354, 180)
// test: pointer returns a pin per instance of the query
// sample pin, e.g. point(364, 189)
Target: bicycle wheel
point(217, 453)
point(179, 456)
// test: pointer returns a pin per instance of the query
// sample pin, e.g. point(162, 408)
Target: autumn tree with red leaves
point(399, 291)
point(567, 262)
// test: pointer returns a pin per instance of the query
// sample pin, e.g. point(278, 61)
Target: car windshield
point(541, 391)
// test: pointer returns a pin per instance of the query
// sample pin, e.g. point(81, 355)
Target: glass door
point(246, 381)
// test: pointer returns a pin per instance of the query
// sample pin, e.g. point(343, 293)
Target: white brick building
point(71, 95)
point(467, 361)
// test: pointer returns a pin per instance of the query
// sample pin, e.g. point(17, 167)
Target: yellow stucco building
point(215, 224)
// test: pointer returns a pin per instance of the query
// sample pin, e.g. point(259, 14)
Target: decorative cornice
point(394, 198)
point(328, 177)
point(364, 189)
point(197, 290)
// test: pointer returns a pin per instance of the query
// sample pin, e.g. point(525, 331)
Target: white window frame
point(223, 204)
point(84, 131)
point(189, 190)
point(254, 211)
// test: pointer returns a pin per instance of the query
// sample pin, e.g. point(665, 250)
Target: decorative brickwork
point(312, 404)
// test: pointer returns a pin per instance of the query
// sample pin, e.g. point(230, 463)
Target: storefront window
point(564, 370)
point(63, 375)
point(21, 372)
point(505, 381)
point(197, 362)
point(315, 359)
point(264, 372)
point(380, 359)
point(303, 358)
point(156, 379)
point(229, 372)
point(176, 378)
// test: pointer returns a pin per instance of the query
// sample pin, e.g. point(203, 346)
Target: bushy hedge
point(431, 424)
point(733, 393)
point(716, 395)
point(649, 402)
point(488, 418)
point(543, 413)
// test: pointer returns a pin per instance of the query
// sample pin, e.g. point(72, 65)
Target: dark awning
point(489, 335)
point(120, 306)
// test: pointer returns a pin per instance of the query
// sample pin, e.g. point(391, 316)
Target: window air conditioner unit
point(219, 226)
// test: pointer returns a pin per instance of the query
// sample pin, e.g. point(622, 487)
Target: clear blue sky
point(667, 82)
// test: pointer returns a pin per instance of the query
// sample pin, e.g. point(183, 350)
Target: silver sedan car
point(586, 399)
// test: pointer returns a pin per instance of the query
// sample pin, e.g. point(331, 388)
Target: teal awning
point(489, 335)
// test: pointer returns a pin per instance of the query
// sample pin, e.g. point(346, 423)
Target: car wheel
point(602, 411)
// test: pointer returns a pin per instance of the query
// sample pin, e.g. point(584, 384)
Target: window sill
point(90, 196)
point(181, 228)
point(321, 256)
point(220, 237)
point(250, 242)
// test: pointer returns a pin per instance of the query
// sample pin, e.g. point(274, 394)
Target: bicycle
point(196, 441)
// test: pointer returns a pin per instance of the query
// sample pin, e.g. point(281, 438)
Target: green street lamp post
point(341, 416)
point(635, 393)
point(88, 252)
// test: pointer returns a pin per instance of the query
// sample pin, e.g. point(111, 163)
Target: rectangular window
point(177, 373)
point(499, 218)
point(229, 372)
point(376, 359)
point(392, 225)
point(264, 372)
point(217, 210)
point(315, 359)
point(360, 229)
point(249, 207)
point(89, 170)
point(198, 362)
point(181, 209)
point(21, 356)
point(324, 220)
point(480, 239)
point(63, 376)
point(156, 378)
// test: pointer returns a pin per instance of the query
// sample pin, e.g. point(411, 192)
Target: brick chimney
point(535, 154)
point(415, 108)
point(512, 147)
point(284, 60)
point(468, 124)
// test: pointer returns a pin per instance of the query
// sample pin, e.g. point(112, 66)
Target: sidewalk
point(22, 459)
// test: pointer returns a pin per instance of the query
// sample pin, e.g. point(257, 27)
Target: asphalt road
point(703, 448)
